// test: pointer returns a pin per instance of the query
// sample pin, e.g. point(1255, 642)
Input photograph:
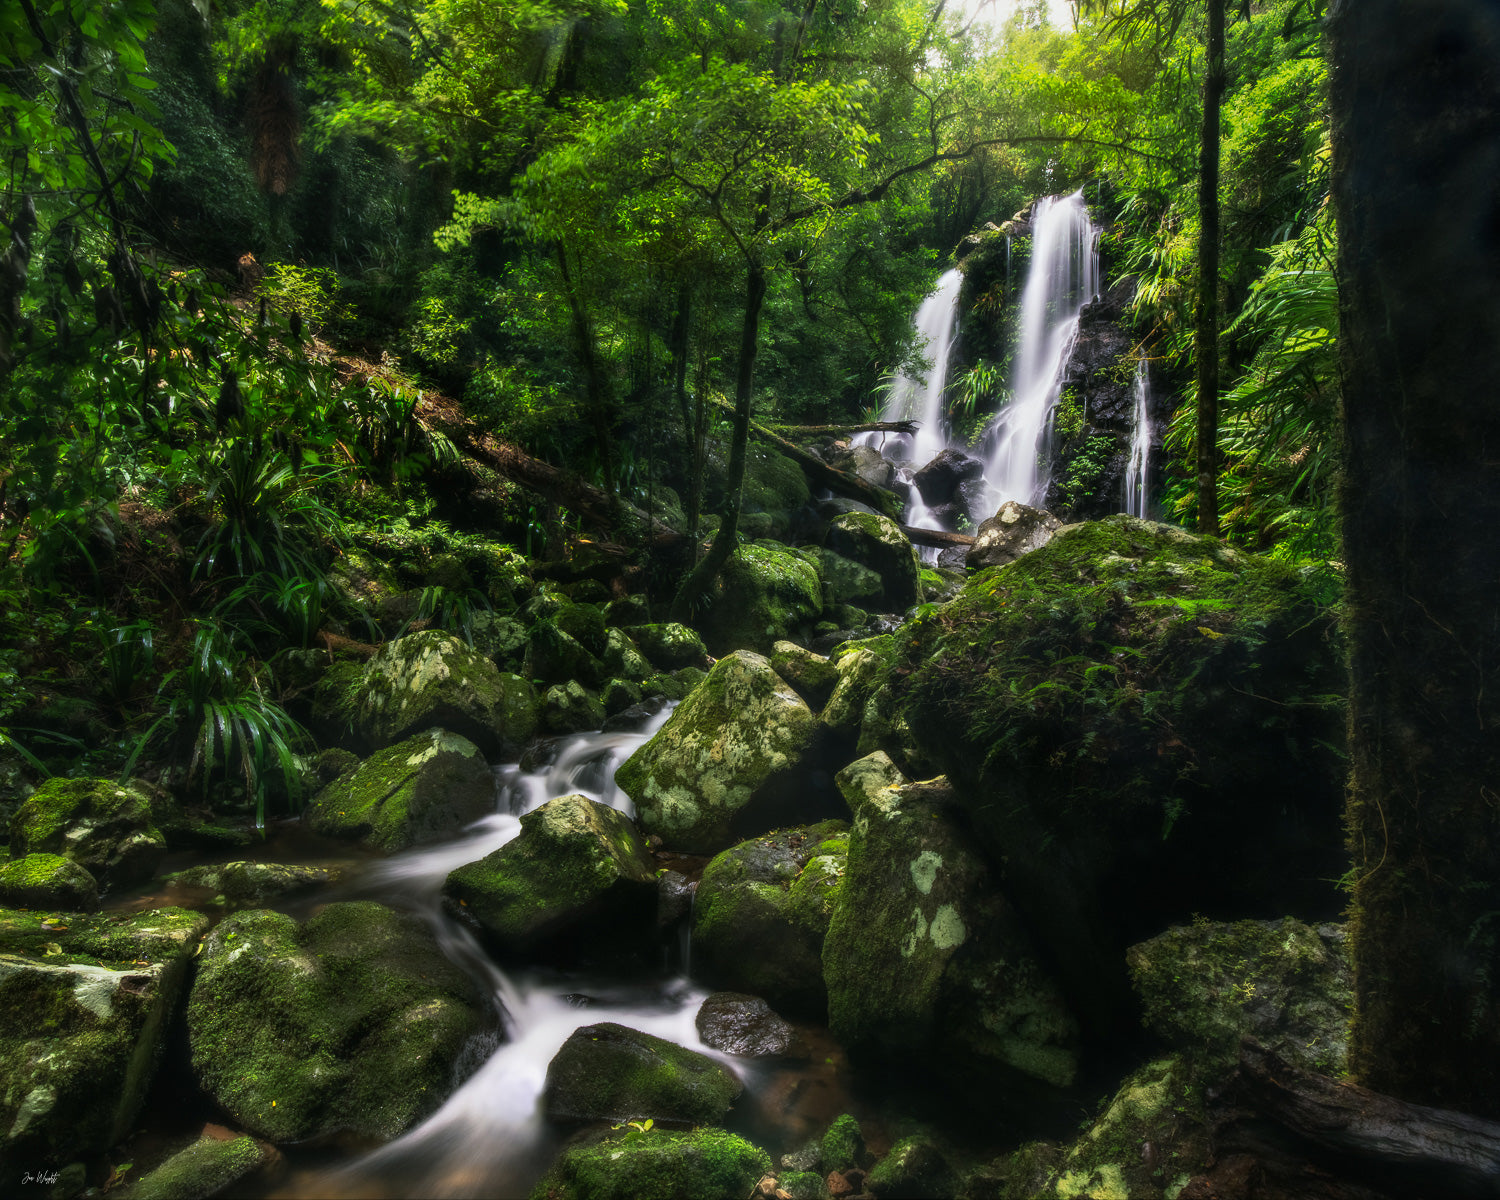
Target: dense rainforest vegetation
point(396, 391)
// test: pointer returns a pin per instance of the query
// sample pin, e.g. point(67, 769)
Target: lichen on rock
point(103, 826)
point(655, 1164)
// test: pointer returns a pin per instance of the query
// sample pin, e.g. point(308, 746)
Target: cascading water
point(920, 397)
point(1063, 276)
point(1140, 446)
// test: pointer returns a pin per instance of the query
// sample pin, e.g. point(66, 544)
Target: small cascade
point(920, 397)
point(1137, 468)
point(1062, 278)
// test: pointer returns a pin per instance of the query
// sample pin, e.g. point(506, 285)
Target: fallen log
point(812, 431)
point(940, 538)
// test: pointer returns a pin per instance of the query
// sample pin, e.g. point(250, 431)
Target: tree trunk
point(1416, 109)
point(1206, 333)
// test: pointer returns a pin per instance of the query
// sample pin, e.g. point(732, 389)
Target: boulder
point(842, 1147)
point(608, 1072)
point(500, 639)
point(351, 1022)
point(655, 1164)
point(848, 581)
point(866, 462)
point(623, 661)
point(618, 696)
point(745, 1025)
point(48, 881)
point(104, 827)
point(423, 789)
point(762, 912)
point(571, 708)
point(726, 759)
point(205, 1168)
point(939, 479)
point(584, 623)
point(250, 885)
point(765, 592)
point(628, 610)
point(431, 680)
point(773, 484)
point(1015, 530)
point(915, 1167)
point(576, 866)
point(670, 646)
point(555, 656)
point(924, 953)
point(811, 675)
point(877, 542)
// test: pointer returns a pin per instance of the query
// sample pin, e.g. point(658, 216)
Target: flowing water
point(1139, 465)
point(1063, 276)
point(920, 397)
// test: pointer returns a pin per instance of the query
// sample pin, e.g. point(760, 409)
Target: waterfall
point(920, 397)
point(1063, 276)
point(1140, 447)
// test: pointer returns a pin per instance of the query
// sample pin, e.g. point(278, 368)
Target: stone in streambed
point(745, 1025)
point(877, 543)
point(655, 1164)
point(914, 1169)
point(811, 675)
point(48, 881)
point(105, 827)
point(765, 592)
point(611, 1072)
point(205, 1168)
point(1015, 530)
point(571, 708)
point(670, 646)
point(246, 884)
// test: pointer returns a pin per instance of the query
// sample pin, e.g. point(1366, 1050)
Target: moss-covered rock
point(571, 708)
point(924, 952)
point(877, 543)
point(1205, 987)
point(84, 1006)
point(1119, 708)
point(555, 656)
point(610, 1072)
point(765, 592)
point(811, 675)
point(762, 911)
point(577, 866)
point(843, 1145)
point(655, 1165)
point(726, 758)
point(915, 1167)
point(501, 639)
point(425, 788)
point(584, 623)
point(628, 610)
point(801, 1185)
point(251, 884)
point(670, 646)
point(849, 582)
point(48, 881)
point(352, 1021)
point(619, 695)
point(773, 482)
point(102, 826)
point(623, 661)
point(361, 582)
point(205, 1168)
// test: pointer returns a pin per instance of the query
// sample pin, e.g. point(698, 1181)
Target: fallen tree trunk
point(811, 431)
point(940, 538)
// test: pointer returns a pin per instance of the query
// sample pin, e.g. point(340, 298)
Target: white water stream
point(919, 398)
point(1139, 464)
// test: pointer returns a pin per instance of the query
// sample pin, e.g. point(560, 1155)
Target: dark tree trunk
point(1206, 333)
point(1416, 110)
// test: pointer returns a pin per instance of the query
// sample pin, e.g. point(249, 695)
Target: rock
point(670, 646)
point(431, 680)
point(48, 881)
point(627, 611)
point(674, 898)
point(102, 826)
point(809, 1159)
point(423, 789)
point(939, 479)
point(655, 1165)
point(248, 884)
point(361, 581)
point(762, 912)
point(556, 656)
point(1289, 987)
point(85, 1003)
point(205, 1168)
point(924, 953)
point(500, 639)
point(351, 1022)
point(636, 717)
point(867, 463)
point(574, 863)
point(623, 661)
point(877, 543)
point(726, 758)
point(800, 1185)
point(848, 581)
point(765, 592)
point(773, 483)
point(843, 1145)
point(1015, 530)
point(608, 1072)
point(620, 695)
point(571, 708)
point(916, 1168)
point(860, 671)
point(584, 623)
point(811, 675)
point(745, 1025)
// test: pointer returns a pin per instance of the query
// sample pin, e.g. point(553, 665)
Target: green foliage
point(311, 293)
point(1086, 469)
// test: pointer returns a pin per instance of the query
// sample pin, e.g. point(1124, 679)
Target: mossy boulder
point(924, 954)
point(811, 675)
point(610, 1072)
point(765, 592)
point(422, 789)
point(1143, 723)
point(762, 910)
point(205, 1168)
point(501, 639)
point(915, 1168)
point(877, 543)
point(726, 760)
point(842, 1147)
point(623, 661)
point(655, 1165)
point(48, 881)
point(555, 656)
point(571, 708)
point(103, 826)
point(85, 1003)
point(361, 582)
point(670, 646)
point(619, 695)
point(352, 1021)
point(773, 483)
point(1206, 986)
point(577, 867)
point(251, 884)
point(584, 623)
point(849, 582)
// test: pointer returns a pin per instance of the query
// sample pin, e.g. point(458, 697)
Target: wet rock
point(848, 581)
point(500, 639)
point(571, 708)
point(610, 1072)
point(350, 1022)
point(765, 592)
point(726, 757)
point(745, 1025)
point(674, 898)
point(634, 718)
point(205, 1168)
point(762, 912)
point(1015, 530)
point(877, 542)
point(670, 646)
point(800, 1185)
point(627, 611)
point(939, 479)
point(633, 1165)
point(574, 863)
point(811, 675)
point(48, 881)
point(104, 827)
point(866, 462)
point(420, 790)
point(924, 953)
point(249, 884)
point(915, 1167)
point(622, 660)
point(584, 623)
point(620, 695)
point(774, 484)
point(843, 1145)
point(556, 656)
point(808, 1159)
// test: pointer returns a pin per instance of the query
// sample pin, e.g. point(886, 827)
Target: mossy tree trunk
point(1416, 110)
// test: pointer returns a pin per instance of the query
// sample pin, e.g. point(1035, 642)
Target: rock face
point(915, 1168)
point(609, 1072)
point(84, 1006)
point(724, 761)
point(938, 481)
point(100, 825)
point(1115, 709)
point(574, 863)
point(762, 912)
point(431, 680)
point(670, 646)
point(745, 1025)
point(1013, 531)
point(351, 1022)
point(655, 1165)
point(924, 953)
point(811, 675)
point(766, 592)
point(847, 582)
point(48, 881)
point(877, 542)
point(420, 790)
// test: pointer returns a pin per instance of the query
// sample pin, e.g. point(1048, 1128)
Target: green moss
point(115, 940)
point(801, 1185)
point(670, 646)
point(608, 1071)
point(204, 1168)
point(773, 482)
point(656, 1165)
point(914, 1168)
point(99, 824)
point(843, 1145)
point(765, 592)
point(48, 881)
